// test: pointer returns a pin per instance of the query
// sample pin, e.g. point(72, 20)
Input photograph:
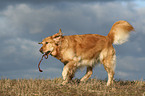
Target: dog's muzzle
point(46, 53)
point(41, 50)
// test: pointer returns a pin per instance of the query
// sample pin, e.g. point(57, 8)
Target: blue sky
point(24, 23)
point(140, 3)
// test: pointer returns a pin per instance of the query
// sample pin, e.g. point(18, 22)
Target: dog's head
point(51, 43)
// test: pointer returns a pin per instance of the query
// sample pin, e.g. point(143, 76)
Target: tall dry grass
point(48, 87)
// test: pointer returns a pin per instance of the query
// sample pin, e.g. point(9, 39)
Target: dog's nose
point(41, 50)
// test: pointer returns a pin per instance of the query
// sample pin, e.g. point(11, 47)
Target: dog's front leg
point(69, 71)
point(88, 74)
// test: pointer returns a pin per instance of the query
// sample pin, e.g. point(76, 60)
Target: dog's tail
point(120, 32)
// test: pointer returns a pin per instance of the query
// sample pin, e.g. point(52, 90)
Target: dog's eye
point(46, 43)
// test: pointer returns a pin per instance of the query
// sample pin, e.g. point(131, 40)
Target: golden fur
point(76, 51)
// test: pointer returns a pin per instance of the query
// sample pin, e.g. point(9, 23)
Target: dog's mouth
point(47, 53)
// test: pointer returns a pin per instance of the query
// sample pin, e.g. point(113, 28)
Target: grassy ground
point(47, 87)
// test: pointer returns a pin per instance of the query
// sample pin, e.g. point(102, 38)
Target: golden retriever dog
point(88, 50)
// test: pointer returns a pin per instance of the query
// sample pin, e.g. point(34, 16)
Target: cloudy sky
point(24, 23)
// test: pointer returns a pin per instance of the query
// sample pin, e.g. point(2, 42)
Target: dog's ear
point(57, 34)
point(40, 43)
point(60, 32)
point(56, 37)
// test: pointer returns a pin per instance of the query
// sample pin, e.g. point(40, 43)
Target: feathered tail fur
point(120, 32)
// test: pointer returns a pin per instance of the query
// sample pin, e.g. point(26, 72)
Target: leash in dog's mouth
point(45, 56)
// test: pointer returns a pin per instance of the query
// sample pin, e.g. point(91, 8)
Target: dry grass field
point(48, 87)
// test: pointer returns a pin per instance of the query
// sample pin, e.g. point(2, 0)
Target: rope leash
point(46, 57)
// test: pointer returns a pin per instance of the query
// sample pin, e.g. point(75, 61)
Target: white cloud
point(22, 47)
point(23, 18)
point(72, 17)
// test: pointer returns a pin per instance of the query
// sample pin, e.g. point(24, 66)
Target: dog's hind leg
point(88, 74)
point(109, 66)
point(68, 72)
point(108, 59)
point(111, 73)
